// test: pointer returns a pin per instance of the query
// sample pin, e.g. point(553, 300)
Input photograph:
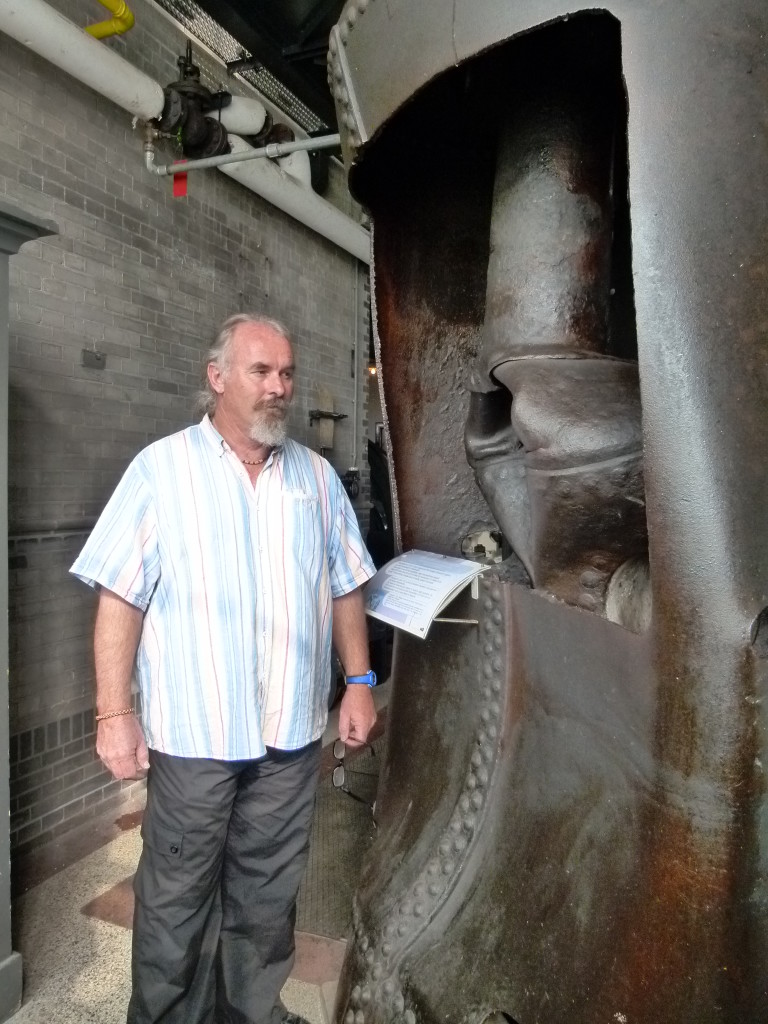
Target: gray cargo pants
point(225, 848)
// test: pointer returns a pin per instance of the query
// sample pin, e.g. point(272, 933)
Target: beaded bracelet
point(113, 714)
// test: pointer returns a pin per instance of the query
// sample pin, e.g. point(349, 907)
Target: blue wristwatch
point(369, 679)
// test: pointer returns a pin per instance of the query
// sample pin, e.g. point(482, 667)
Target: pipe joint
point(122, 21)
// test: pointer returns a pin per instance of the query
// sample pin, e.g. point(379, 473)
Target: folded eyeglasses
point(340, 773)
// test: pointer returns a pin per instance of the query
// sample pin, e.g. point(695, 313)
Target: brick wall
point(143, 279)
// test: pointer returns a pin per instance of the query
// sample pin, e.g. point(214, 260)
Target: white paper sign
point(411, 590)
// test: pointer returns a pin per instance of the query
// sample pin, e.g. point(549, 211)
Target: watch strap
point(369, 679)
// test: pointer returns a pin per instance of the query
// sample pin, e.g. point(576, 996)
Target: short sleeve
point(121, 553)
point(349, 563)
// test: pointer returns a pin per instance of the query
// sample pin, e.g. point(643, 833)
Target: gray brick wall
point(144, 279)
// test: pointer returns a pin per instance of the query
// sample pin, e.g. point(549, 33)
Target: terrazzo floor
point(73, 927)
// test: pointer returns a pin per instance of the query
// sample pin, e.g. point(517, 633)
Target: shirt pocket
point(304, 537)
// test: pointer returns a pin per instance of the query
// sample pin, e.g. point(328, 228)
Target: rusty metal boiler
point(570, 291)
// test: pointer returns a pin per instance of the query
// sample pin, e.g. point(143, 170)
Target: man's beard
point(268, 425)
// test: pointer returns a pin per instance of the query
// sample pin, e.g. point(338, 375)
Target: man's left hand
point(357, 715)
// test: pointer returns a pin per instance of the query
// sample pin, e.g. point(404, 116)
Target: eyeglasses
point(340, 772)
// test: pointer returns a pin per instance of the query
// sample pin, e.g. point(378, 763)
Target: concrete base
point(10, 986)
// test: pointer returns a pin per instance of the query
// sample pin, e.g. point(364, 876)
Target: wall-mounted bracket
point(321, 414)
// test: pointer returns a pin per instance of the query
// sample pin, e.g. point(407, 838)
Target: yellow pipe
point(123, 20)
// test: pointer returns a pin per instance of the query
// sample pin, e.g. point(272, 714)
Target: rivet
point(444, 848)
point(488, 647)
point(332, 47)
point(354, 996)
point(377, 971)
point(496, 686)
point(405, 907)
point(359, 1017)
point(448, 867)
point(485, 715)
point(496, 593)
point(370, 956)
point(349, 1017)
point(588, 601)
point(362, 5)
point(389, 931)
point(410, 1017)
point(418, 907)
point(469, 823)
point(495, 709)
point(386, 948)
point(482, 776)
point(497, 617)
point(364, 942)
point(497, 666)
point(435, 889)
point(388, 987)
point(471, 782)
point(360, 930)
point(344, 32)
point(477, 799)
point(365, 996)
point(492, 731)
point(455, 828)
point(488, 604)
point(477, 758)
point(433, 867)
point(351, 16)
point(418, 889)
point(488, 670)
point(402, 929)
point(399, 1003)
point(459, 844)
point(463, 806)
point(498, 641)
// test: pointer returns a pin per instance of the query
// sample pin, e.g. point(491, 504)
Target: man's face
point(256, 385)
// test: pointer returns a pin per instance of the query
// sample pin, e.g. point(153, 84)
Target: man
point(227, 559)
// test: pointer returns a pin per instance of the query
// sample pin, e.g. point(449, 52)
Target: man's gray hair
point(219, 353)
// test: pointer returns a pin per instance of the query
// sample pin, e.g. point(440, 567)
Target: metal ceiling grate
point(203, 27)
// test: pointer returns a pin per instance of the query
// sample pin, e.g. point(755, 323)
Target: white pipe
point(274, 185)
point(297, 165)
point(52, 36)
point(243, 115)
point(58, 40)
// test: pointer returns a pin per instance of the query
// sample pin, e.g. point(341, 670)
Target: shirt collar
point(211, 434)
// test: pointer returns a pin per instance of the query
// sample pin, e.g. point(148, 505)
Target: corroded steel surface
point(570, 273)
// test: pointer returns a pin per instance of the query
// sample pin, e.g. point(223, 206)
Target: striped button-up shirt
point(236, 582)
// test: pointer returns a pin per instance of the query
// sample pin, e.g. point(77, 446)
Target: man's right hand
point(122, 748)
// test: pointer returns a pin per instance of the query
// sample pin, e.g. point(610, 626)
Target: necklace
point(253, 462)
